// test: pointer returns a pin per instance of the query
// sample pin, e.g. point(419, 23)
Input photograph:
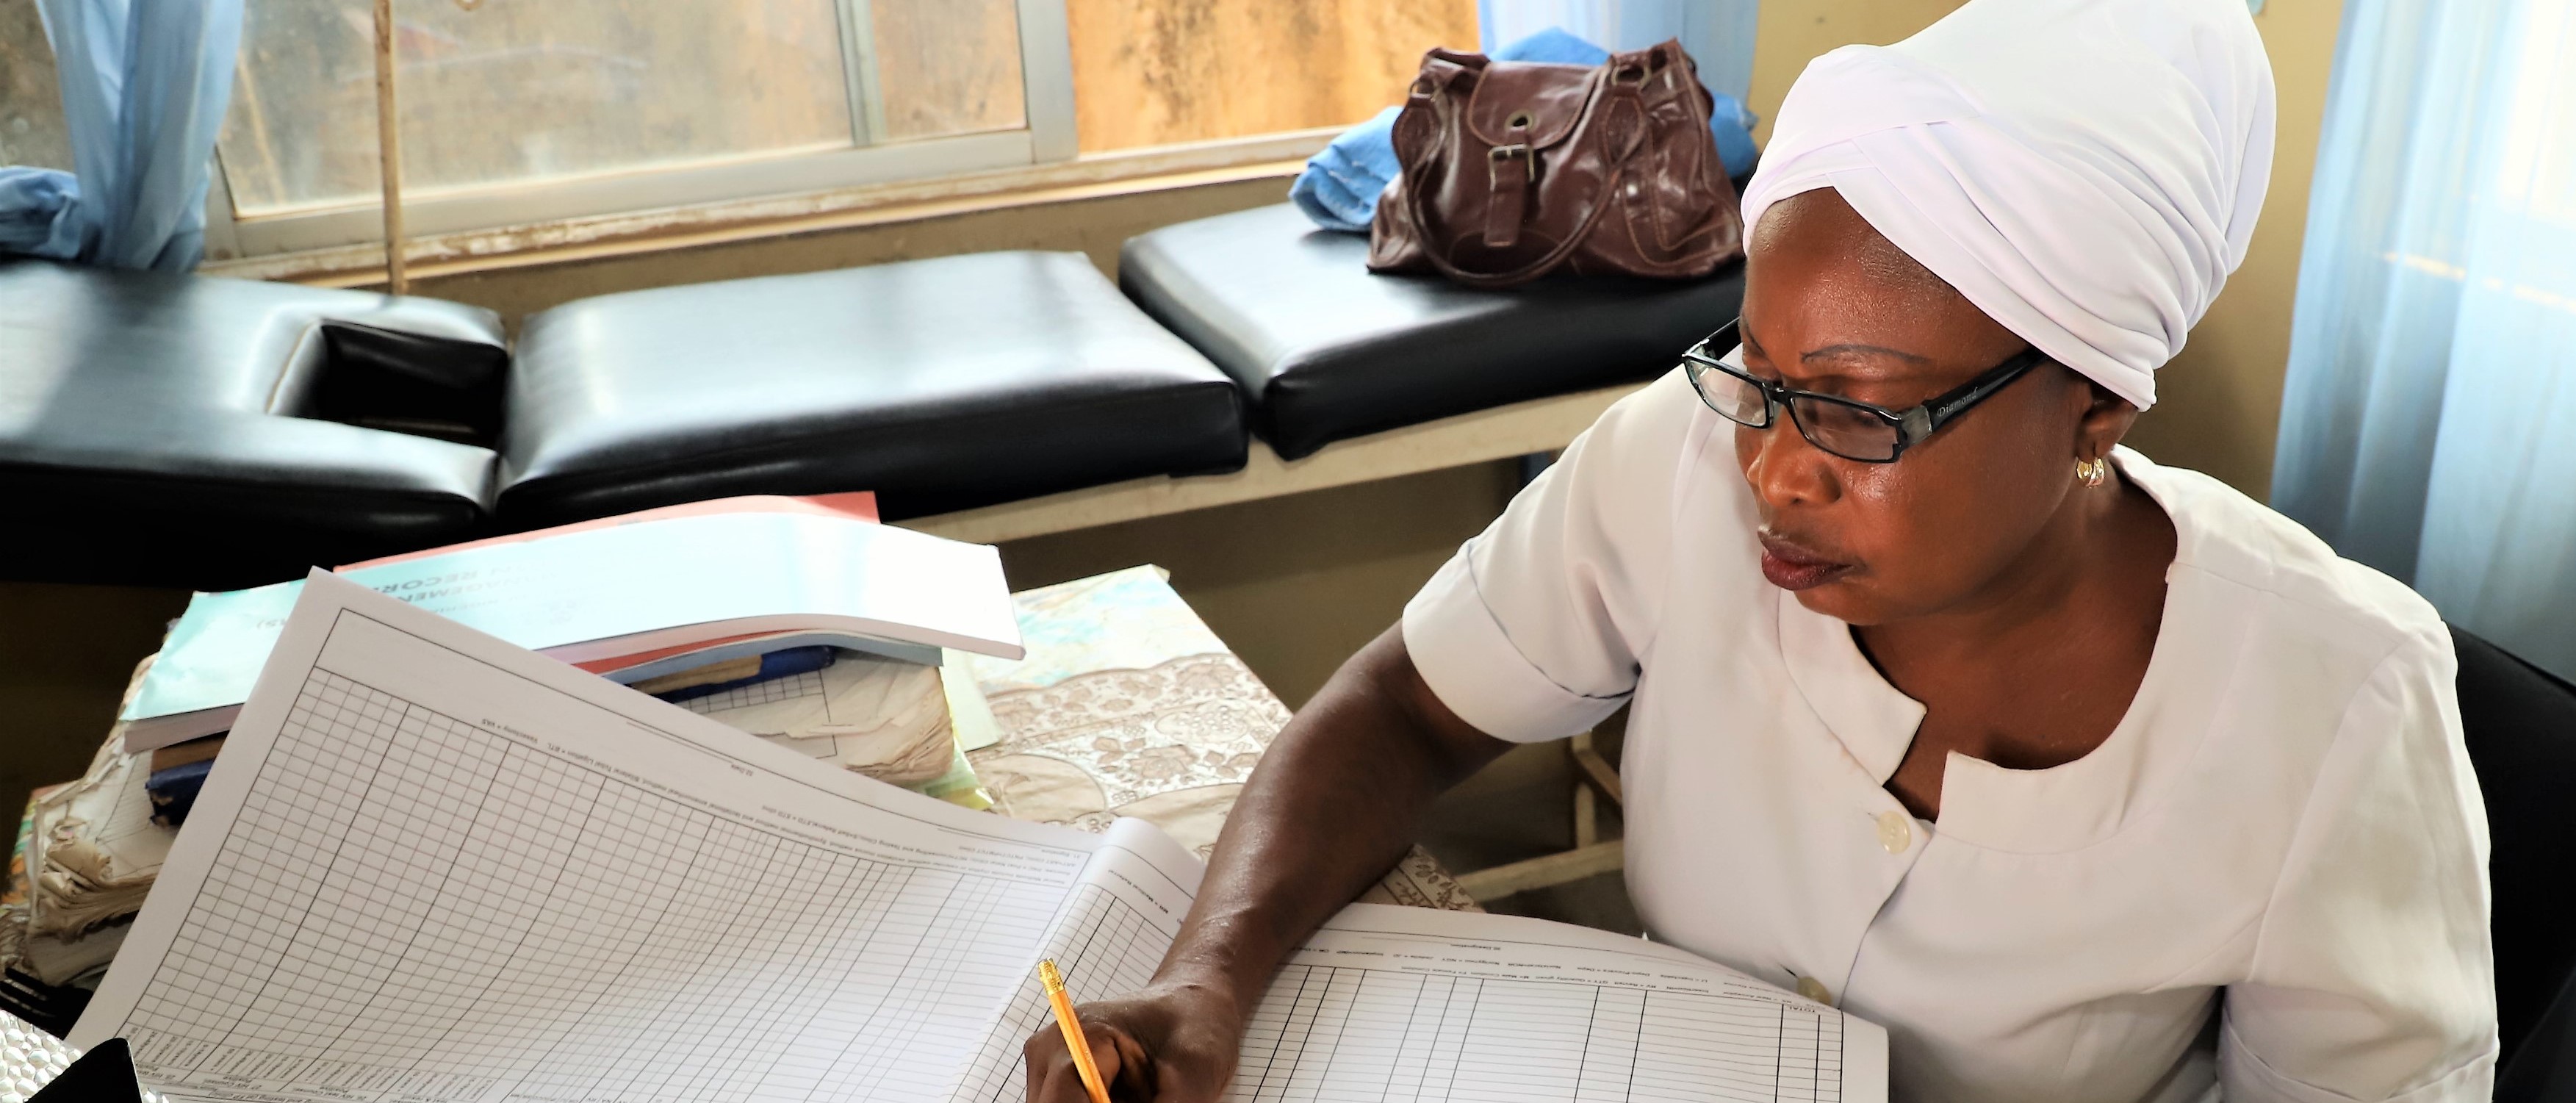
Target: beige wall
point(65, 654)
point(2219, 403)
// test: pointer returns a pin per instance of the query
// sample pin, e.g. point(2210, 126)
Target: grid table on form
point(1329, 1034)
point(494, 922)
point(806, 684)
point(1105, 947)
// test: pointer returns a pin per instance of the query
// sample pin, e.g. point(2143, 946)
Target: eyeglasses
point(1852, 430)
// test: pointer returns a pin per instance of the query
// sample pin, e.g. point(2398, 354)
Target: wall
point(65, 654)
point(2219, 402)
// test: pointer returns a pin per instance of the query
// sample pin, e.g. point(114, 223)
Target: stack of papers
point(89, 853)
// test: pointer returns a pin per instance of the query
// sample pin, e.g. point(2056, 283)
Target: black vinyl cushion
point(148, 433)
point(1326, 351)
point(413, 383)
point(2520, 724)
point(940, 384)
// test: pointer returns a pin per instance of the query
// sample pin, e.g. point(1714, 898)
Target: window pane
point(1153, 72)
point(31, 103)
point(519, 90)
point(948, 66)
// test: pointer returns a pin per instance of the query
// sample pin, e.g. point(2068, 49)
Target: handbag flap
point(1552, 96)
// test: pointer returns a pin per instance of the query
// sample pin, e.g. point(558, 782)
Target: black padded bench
point(177, 430)
point(940, 384)
point(1324, 350)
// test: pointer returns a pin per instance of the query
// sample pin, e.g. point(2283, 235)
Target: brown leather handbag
point(1511, 170)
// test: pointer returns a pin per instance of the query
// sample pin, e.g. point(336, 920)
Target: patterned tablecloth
point(1127, 705)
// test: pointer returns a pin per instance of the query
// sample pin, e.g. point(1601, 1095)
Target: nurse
point(2090, 779)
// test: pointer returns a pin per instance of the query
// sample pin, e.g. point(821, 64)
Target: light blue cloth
point(1340, 186)
point(144, 85)
point(2428, 423)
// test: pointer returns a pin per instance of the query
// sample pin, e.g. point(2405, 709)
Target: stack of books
point(801, 621)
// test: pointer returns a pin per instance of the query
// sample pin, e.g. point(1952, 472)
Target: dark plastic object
point(105, 1074)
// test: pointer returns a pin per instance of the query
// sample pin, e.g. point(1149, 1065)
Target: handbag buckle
point(1500, 154)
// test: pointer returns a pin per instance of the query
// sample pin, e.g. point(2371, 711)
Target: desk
point(1127, 705)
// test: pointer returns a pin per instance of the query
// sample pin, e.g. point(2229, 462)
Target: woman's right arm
point(1332, 806)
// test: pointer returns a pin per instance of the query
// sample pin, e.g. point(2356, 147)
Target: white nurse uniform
point(2270, 878)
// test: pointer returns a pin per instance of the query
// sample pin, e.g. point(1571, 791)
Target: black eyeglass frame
point(1912, 425)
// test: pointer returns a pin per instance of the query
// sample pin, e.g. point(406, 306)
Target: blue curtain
point(2428, 423)
point(1718, 33)
point(144, 87)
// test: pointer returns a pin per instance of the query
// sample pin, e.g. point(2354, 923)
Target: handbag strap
point(1417, 175)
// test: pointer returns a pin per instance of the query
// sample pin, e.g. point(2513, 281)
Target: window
point(2538, 159)
point(517, 111)
point(520, 113)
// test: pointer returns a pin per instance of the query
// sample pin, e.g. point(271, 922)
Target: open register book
point(434, 867)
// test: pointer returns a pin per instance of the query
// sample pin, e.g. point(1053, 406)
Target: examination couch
point(940, 384)
point(191, 431)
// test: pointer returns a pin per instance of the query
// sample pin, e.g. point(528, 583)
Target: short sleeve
point(2372, 976)
point(1534, 630)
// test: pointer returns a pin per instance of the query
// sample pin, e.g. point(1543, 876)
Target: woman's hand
point(1331, 806)
point(1169, 1043)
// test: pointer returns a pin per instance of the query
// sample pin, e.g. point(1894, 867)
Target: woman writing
point(2089, 779)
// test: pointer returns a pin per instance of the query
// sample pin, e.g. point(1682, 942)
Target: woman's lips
point(1794, 568)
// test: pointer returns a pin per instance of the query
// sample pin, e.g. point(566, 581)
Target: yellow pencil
point(1053, 982)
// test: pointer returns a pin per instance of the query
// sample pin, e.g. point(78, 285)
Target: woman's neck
point(2105, 548)
point(2040, 670)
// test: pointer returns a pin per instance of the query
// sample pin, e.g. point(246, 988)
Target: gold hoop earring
point(2094, 471)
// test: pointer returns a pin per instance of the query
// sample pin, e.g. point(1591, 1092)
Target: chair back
point(2520, 724)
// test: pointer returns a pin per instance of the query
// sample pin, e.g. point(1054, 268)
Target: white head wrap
point(2087, 172)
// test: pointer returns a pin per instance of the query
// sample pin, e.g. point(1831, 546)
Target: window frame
point(1046, 79)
